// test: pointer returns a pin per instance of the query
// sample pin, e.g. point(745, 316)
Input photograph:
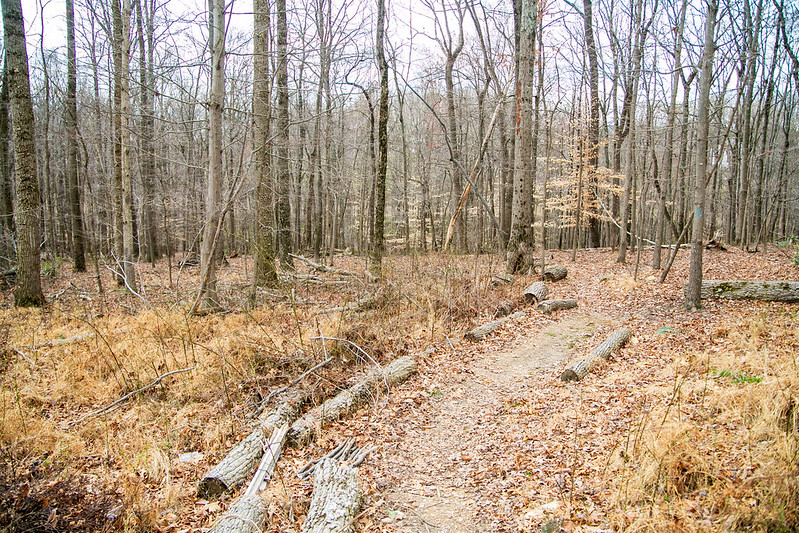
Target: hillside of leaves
point(691, 427)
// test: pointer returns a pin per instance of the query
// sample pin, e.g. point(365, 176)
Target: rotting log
point(579, 369)
point(335, 500)
point(536, 292)
point(765, 291)
point(555, 273)
point(481, 332)
point(504, 308)
point(246, 515)
point(548, 306)
point(347, 401)
point(238, 464)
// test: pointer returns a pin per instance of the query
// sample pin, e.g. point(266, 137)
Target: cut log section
point(547, 306)
point(304, 429)
point(537, 292)
point(504, 308)
point(238, 464)
point(555, 273)
point(246, 515)
point(579, 370)
point(501, 279)
point(765, 291)
point(481, 332)
point(335, 500)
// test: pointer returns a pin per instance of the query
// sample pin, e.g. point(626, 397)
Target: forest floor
point(693, 426)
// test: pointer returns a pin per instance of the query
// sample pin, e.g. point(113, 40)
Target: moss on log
point(765, 291)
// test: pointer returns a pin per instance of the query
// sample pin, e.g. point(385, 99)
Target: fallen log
point(555, 273)
point(579, 369)
point(501, 279)
point(536, 292)
point(547, 306)
point(248, 513)
point(765, 291)
point(504, 308)
point(347, 401)
point(481, 332)
point(238, 464)
point(335, 500)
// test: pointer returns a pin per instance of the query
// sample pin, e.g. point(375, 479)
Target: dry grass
point(723, 451)
point(110, 344)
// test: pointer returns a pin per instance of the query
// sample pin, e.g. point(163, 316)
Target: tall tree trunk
point(382, 141)
point(116, 192)
point(214, 209)
point(283, 171)
point(693, 289)
point(145, 31)
point(521, 234)
point(593, 125)
point(6, 185)
point(26, 210)
point(264, 273)
point(71, 120)
point(128, 265)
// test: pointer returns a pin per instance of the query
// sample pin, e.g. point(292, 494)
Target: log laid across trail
point(547, 306)
point(481, 332)
point(765, 291)
point(579, 369)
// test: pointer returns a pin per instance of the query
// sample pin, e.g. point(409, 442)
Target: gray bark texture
point(536, 292)
point(764, 291)
point(481, 332)
point(246, 515)
point(504, 308)
point(579, 369)
point(555, 273)
point(347, 401)
point(547, 306)
point(335, 500)
point(238, 464)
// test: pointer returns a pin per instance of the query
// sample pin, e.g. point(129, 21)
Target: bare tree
point(692, 291)
point(382, 141)
point(71, 120)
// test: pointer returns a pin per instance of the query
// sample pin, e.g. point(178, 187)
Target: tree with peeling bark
point(28, 292)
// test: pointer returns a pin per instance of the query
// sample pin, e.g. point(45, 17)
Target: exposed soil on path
point(437, 462)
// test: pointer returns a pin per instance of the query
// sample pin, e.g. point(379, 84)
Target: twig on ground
point(128, 395)
point(274, 393)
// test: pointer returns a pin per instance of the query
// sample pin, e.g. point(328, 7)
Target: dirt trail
point(436, 462)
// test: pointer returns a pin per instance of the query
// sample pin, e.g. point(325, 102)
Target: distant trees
point(299, 160)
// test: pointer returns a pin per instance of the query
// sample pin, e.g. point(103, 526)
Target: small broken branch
point(149, 386)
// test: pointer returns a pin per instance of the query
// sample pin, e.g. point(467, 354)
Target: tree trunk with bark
point(71, 124)
point(580, 369)
point(335, 501)
point(764, 291)
point(26, 209)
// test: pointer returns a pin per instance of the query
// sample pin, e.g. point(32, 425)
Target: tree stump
point(335, 500)
point(555, 273)
point(536, 292)
point(579, 370)
point(547, 306)
point(765, 291)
